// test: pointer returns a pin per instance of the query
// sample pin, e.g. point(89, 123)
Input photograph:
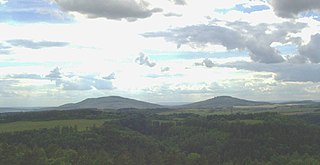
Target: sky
point(54, 52)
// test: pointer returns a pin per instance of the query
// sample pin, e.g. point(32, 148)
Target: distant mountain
point(221, 102)
point(110, 102)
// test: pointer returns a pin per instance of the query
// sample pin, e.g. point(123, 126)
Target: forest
point(132, 137)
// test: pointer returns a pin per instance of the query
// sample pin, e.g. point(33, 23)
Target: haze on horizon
point(54, 52)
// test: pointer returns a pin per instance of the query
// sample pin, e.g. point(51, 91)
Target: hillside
point(221, 102)
point(110, 102)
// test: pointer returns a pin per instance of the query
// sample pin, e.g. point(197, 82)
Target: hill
point(221, 102)
point(110, 102)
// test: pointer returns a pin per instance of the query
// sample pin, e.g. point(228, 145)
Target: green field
point(81, 124)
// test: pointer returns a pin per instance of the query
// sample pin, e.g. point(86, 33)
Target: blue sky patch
point(288, 49)
point(31, 11)
point(313, 14)
point(242, 8)
point(251, 9)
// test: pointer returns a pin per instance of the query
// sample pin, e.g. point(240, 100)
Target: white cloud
point(284, 71)
point(111, 9)
point(54, 74)
point(165, 69)
point(4, 49)
point(172, 14)
point(34, 44)
point(144, 60)
point(25, 76)
point(201, 35)
point(236, 36)
point(179, 2)
point(72, 81)
point(2, 2)
point(206, 62)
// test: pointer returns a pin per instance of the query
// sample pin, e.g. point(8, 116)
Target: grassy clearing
point(82, 124)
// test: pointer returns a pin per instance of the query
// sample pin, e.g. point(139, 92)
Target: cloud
point(206, 62)
point(297, 59)
point(257, 40)
point(144, 60)
point(291, 8)
point(8, 94)
point(110, 9)
point(263, 53)
point(284, 71)
point(7, 83)
point(164, 75)
point(36, 45)
point(54, 74)
point(179, 2)
point(4, 49)
point(112, 76)
point(6, 87)
point(200, 35)
point(25, 76)
point(76, 82)
point(165, 69)
point(313, 89)
point(2, 2)
point(172, 15)
point(311, 50)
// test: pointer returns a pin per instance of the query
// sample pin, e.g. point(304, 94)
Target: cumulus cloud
point(200, 35)
point(110, 9)
point(179, 2)
point(237, 35)
point(263, 53)
point(283, 71)
point(206, 62)
point(172, 15)
point(311, 50)
point(112, 76)
point(144, 60)
point(165, 69)
point(291, 8)
point(76, 82)
point(297, 59)
point(54, 74)
point(36, 45)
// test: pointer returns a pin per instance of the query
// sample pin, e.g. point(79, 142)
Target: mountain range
point(116, 102)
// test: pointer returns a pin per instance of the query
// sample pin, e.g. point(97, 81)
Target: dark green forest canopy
point(133, 137)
